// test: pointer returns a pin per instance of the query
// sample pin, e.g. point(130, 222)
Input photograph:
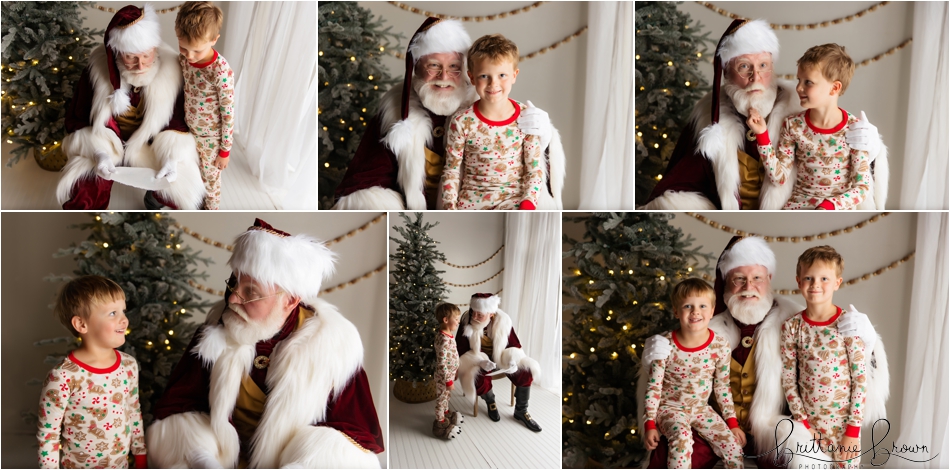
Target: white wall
point(31, 238)
point(553, 81)
point(880, 88)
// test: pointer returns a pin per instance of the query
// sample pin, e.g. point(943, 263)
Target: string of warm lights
point(218, 244)
point(799, 27)
point(113, 10)
point(477, 283)
point(476, 265)
point(477, 19)
point(866, 61)
point(769, 238)
point(532, 55)
point(341, 286)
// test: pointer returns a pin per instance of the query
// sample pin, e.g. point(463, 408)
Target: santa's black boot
point(489, 398)
point(522, 394)
point(151, 203)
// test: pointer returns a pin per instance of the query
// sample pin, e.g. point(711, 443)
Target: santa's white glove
point(854, 323)
point(656, 348)
point(487, 365)
point(169, 171)
point(863, 135)
point(535, 121)
point(104, 165)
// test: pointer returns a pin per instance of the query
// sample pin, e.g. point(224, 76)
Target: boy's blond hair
point(493, 47)
point(444, 310)
point(832, 61)
point(78, 297)
point(692, 287)
point(198, 21)
point(822, 253)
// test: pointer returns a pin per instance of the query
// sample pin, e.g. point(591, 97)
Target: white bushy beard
point(481, 325)
point(439, 102)
point(140, 79)
point(743, 100)
point(243, 330)
point(750, 313)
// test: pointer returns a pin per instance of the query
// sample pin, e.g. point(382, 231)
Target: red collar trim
point(446, 335)
point(844, 122)
point(201, 66)
point(824, 323)
point(698, 348)
point(107, 370)
point(498, 123)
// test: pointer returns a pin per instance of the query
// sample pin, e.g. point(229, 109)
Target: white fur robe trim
point(158, 100)
point(318, 359)
point(503, 356)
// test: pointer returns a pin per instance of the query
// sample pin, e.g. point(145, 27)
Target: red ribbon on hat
point(265, 227)
point(482, 296)
point(720, 285)
point(717, 69)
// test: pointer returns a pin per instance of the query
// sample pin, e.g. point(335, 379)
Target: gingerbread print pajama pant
point(443, 394)
point(832, 432)
point(210, 174)
point(675, 424)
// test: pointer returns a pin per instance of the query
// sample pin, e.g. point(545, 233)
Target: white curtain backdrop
point(532, 289)
point(271, 47)
point(925, 153)
point(607, 158)
point(925, 408)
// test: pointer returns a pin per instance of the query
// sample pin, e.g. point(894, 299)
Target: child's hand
point(652, 439)
point(850, 444)
point(755, 122)
point(740, 436)
point(221, 163)
point(451, 387)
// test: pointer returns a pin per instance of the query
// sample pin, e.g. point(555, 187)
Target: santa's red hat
point(434, 36)
point(298, 264)
point(741, 37)
point(485, 303)
point(133, 30)
point(741, 251)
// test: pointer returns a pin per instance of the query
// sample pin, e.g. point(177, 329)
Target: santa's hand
point(535, 121)
point(104, 165)
point(656, 348)
point(169, 171)
point(863, 135)
point(854, 323)
point(487, 365)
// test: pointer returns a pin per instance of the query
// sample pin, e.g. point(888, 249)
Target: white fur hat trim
point(485, 304)
point(140, 36)
point(753, 37)
point(298, 264)
point(444, 36)
point(748, 252)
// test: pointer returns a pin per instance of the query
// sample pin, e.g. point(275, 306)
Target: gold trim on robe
point(751, 176)
point(434, 166)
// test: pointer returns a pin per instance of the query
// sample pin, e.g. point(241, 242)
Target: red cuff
point(763, 138)
point(853, 431)
point(449, 383)
point(527, 206)
point(224, 153)
point(650, 424)
point(827, 205)
point(805, 422)
point(141, 461)
point(732, 423)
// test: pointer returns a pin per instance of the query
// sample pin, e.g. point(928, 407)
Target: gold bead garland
point(113, 10)
point(218, 244)
point(477, 283)
point(479, 264)
point(769, 238)
point(799, 27)
point(328, 290)
point(477, 19)
point(867, 61)
point(533, 54)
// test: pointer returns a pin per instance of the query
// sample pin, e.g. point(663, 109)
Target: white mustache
point(749, 293)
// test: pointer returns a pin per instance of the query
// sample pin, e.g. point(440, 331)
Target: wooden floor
point(28, 187)
point(483, 443)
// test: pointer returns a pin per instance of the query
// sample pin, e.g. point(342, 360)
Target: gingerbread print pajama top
point(448, 357)
point(678, 399)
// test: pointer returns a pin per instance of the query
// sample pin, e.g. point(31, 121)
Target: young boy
point(209, 92)
point(830, 174)
point(89, 407)
point(823, 372)
point(678, 390)
point(447, 425)
point(498, 166)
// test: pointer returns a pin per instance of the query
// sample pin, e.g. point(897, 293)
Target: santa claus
point(488, 346)
point(399, 162)
point(751, 318)
point(716, 163)
point(128, 110)
point(274, 379)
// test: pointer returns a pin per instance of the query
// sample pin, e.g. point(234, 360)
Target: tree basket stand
point(414, 392)
point(52, 160)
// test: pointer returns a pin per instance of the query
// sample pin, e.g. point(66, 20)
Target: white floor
point(26, 186)
point(483, 443)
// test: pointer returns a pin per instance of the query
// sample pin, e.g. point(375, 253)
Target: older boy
point(89, 408)
point(498, 165)
point(824, 372)
point(209, 92)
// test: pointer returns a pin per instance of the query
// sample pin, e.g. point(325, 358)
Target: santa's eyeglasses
point(436, 70)
point(233, 287)
point(745, 69)
point(740, 281)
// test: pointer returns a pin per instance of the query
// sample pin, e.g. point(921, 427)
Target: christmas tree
point(45, 49)
point(669, 50)
point(416, 289)
point(143, 253)
point(352, 80)
point(626, 266)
